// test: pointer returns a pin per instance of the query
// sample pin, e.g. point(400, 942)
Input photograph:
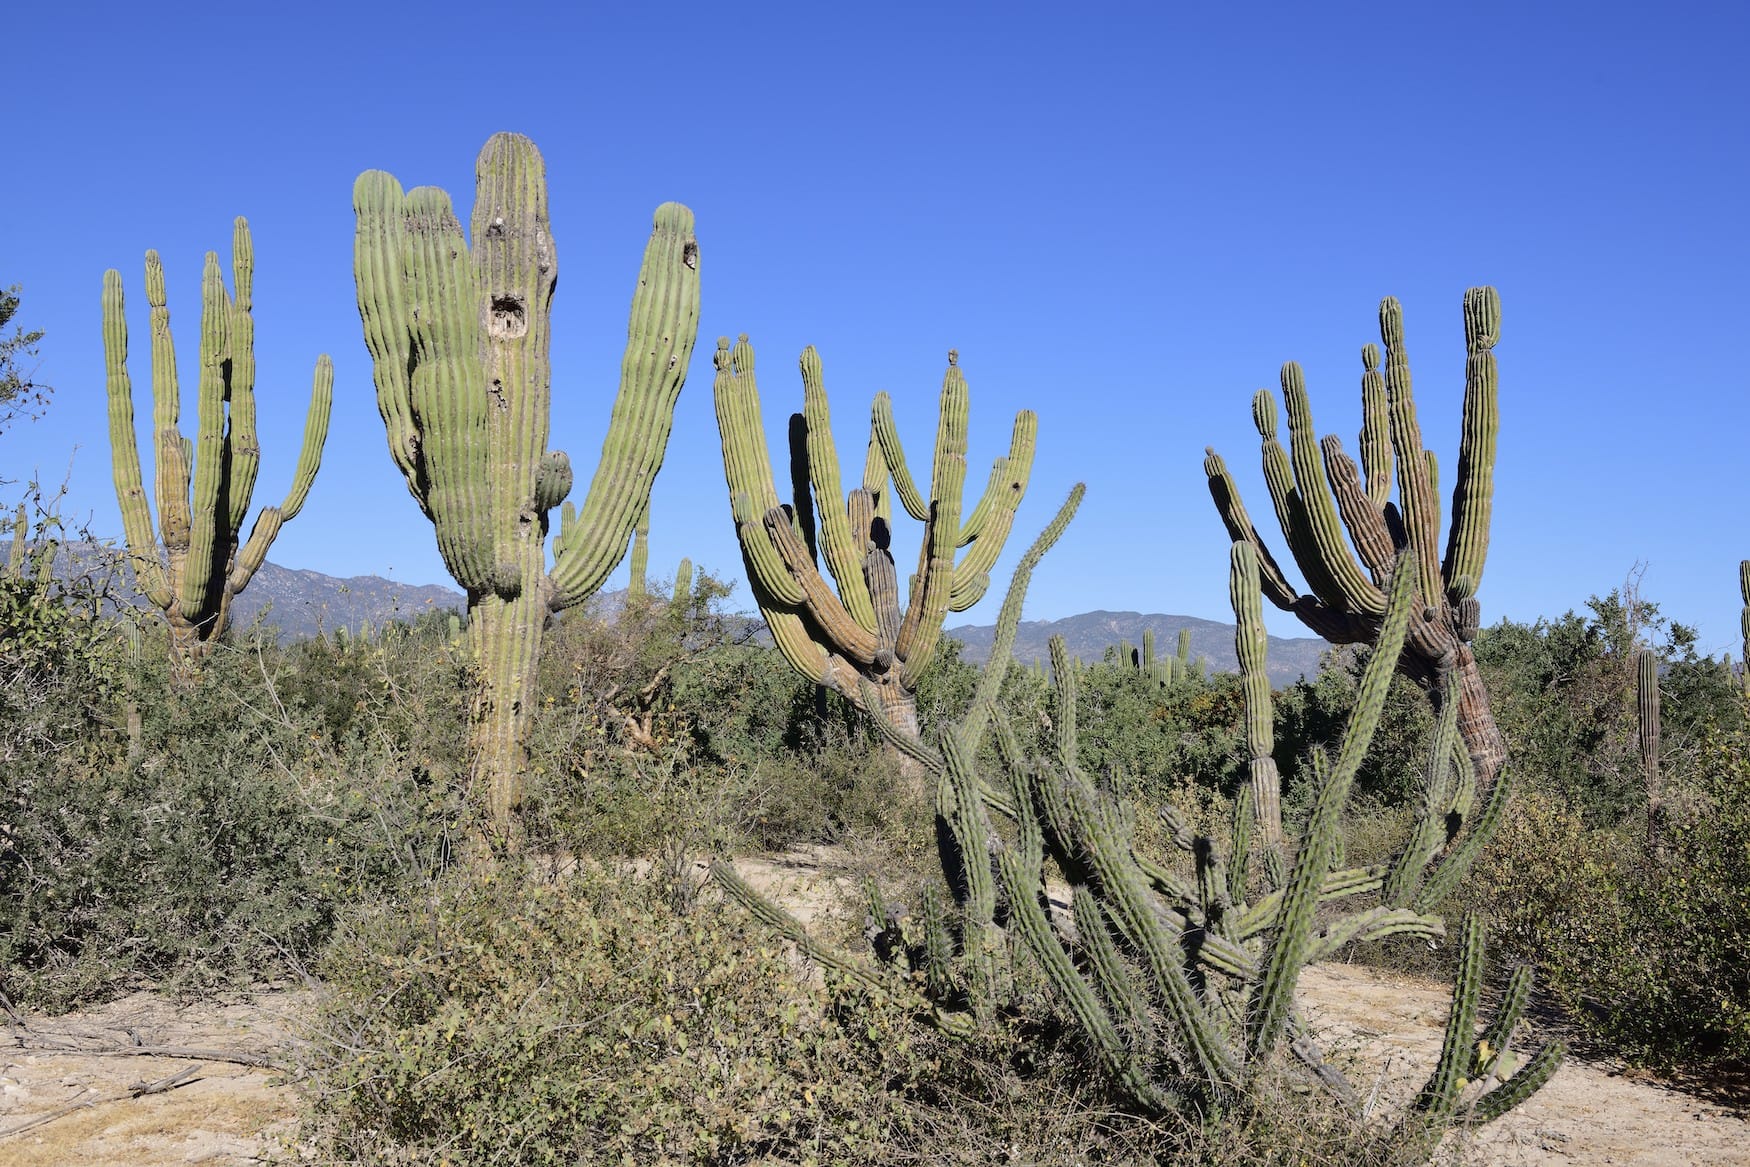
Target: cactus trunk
point(504, 637)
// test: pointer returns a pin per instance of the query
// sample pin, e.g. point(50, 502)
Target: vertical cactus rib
point(1473, 491)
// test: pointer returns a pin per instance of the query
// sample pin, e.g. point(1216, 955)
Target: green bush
point(591, 1020)
point(209, 843)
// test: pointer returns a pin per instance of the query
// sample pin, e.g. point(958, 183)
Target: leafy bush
point(211, 844)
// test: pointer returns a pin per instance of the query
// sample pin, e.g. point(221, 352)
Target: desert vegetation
point(501, 844)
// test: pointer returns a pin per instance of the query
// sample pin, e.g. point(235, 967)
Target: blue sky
point(1124, 217)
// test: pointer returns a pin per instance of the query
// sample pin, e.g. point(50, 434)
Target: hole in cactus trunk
point(509, 319)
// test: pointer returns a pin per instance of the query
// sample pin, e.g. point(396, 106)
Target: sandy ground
point(76, 1072)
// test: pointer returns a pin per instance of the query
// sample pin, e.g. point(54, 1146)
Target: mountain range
point(306, 603)
point(1090, 634)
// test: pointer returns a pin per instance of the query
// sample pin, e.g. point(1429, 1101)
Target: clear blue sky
point(1124, 217)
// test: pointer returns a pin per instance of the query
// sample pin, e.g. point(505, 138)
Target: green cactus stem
point(856, 639)
point(1320, 493)
point(1647, 708)
point(195, 564)
point(458, 329)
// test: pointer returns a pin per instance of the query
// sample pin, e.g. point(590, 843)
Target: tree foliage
point(20, 392)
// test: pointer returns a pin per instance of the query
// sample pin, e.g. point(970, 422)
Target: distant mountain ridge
point(305, 603)
point(1090, 634)
point(300, 603)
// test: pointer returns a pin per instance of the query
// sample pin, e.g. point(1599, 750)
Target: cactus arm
point(1008, 477)
point(958, 803)
point(210, 479)
point(787, 926)
point(1428, 833)
point(1499, 1033)
point(682, 592)
point(1239, 527)
point(244, 441)
point(130, 487)
point(1291, 510)
point(315, 438)
point(172, 455)
point(748, 469)
point(640, 556)
point(1472, 494)
point(1417, 500)
point(886, 433)
point(928, 606)
point(842, 634)
point(1250, 645)
point(802, 517)
point(1457, 861)
point(1375, 443)
point(1354, 591)
point(1439, 1098)
point(844, 542)
point(1287, 953)
point(996, 665)
point(1364, 521)
point(1522, 1085)
point(664, 323)
point(1373, 924)
point(379, 247)
point(254, 552)
point(989, 531)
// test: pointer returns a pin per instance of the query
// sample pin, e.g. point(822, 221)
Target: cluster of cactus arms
point(1319, 491)
point(858, 642)
point(1165, 670)
point(31, 562)
point(458, 334)
point(1180, 975)
point(195, 565)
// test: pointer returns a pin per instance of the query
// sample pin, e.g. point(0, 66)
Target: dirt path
point(224, 1114)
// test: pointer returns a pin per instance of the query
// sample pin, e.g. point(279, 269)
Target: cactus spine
point(1319, 493)
point(194, 566)
point(859, 633)
point(458, 334)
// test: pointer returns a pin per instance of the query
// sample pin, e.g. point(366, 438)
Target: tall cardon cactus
point(1319, 492)
point(858, 641)
point(194, 566)
point(458, 333)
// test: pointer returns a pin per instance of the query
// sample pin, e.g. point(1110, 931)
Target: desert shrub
point(212, 848)
point(602, 1018)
